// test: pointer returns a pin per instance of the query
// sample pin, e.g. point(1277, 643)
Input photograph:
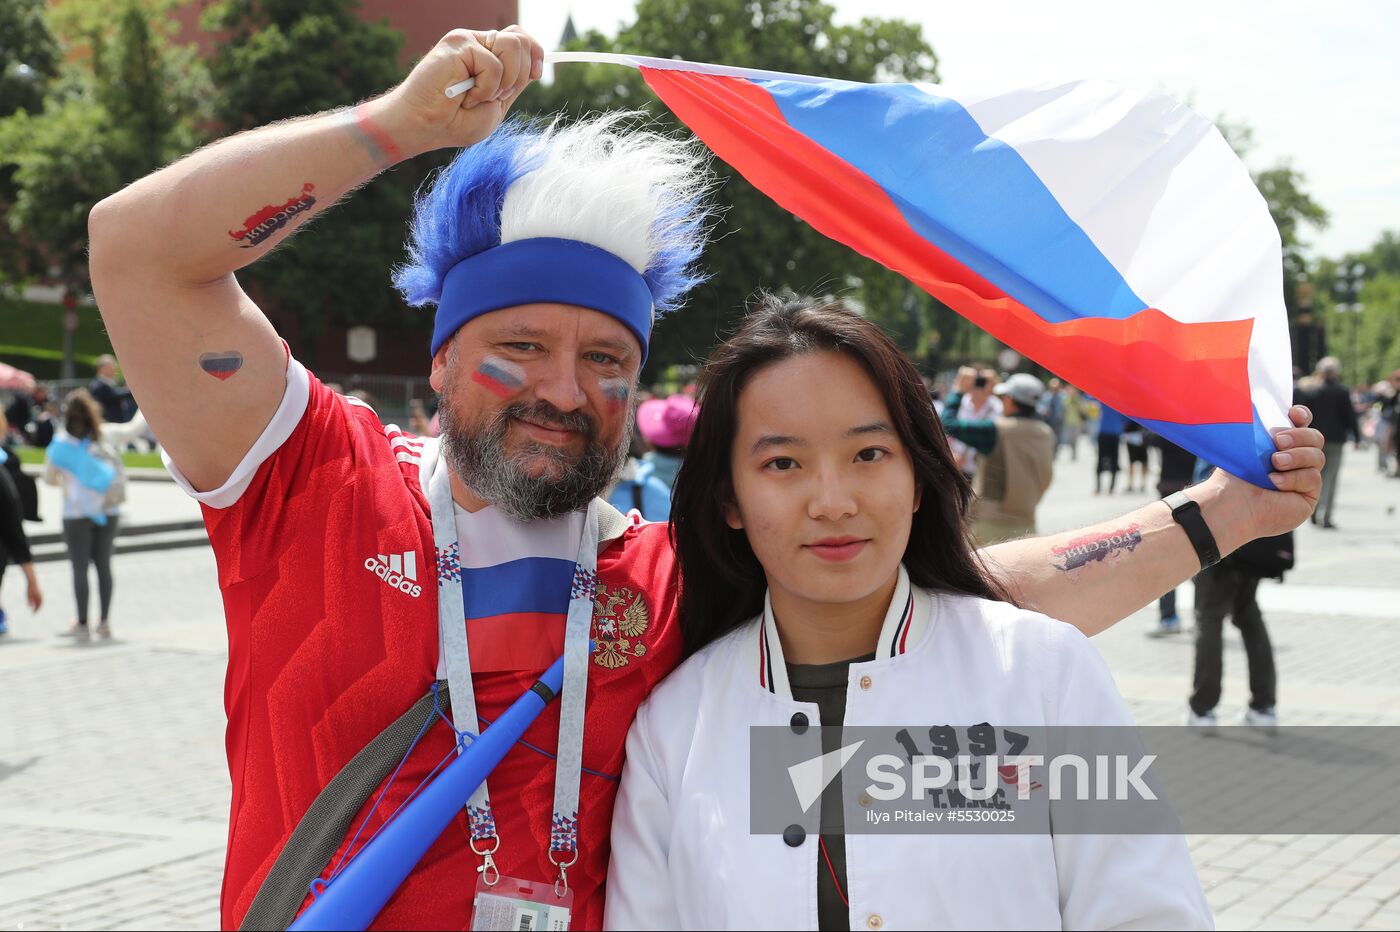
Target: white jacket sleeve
point(639, 891)
point(1116, 881)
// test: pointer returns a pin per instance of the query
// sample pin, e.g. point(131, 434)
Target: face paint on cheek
point(617, 392)
point(499, 376)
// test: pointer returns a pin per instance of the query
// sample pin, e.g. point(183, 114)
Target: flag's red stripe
point(1148, 366)
point(528, 641)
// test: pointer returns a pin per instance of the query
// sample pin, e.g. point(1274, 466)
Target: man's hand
point(420, 117)
point(1260, 513)
point(966, 376)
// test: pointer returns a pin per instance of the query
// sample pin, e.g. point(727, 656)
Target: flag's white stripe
point(676, 64)
point(1155, 186)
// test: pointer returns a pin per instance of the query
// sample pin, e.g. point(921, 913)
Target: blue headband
point(543, 270)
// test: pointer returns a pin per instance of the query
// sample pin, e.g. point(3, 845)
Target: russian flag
point(1110, 235)
point(516, 581)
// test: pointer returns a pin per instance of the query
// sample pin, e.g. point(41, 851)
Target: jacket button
point(866, 683)
point(794, 835)
point(874, 922)
point(799, 722)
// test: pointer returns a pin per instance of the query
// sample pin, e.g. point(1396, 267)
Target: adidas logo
point(399, 570)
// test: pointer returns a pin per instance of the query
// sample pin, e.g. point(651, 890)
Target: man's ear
point(438, 376)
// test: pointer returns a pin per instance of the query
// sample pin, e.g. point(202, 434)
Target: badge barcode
point(527, 921)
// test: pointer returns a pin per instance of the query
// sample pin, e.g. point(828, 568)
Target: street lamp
point(1350, 279)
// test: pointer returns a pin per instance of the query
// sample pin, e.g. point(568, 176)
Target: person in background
point(644, 483)
point(978, 403)
point(1073, 423)
point(1386, 393)
point(1335, 417)
point(1230, 588)
point(114, 401)
point(1177, 467)
point(1015, 457)
point(1135, 439)
point(84, 461)
point(14, 545)
point(1110, 432)
point(1051, 409)
point(665, 424)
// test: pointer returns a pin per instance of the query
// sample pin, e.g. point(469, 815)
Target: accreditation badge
point(510, 904)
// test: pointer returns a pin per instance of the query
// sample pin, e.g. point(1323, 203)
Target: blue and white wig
point(593, 213)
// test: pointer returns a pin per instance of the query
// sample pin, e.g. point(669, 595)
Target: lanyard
point(452, 631)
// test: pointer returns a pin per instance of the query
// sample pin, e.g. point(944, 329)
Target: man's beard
point(478, 455)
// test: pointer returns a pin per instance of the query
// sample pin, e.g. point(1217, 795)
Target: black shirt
point(825, 685)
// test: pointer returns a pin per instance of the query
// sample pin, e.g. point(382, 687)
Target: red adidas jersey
point(324, 654)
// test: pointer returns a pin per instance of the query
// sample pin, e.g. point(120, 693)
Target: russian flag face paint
point(499, 376)
point(617, 392)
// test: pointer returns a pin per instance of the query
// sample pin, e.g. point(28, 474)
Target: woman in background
point(86, 464)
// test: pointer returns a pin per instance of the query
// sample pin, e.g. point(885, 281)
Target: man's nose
point(559, 385)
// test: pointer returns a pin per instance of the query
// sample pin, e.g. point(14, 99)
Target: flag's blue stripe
point(972, 196)
point(1241, 449)
point(534, 584)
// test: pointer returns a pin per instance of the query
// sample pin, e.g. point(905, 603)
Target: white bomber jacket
point(683, 855)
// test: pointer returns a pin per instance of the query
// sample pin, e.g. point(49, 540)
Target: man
point(1111, 425)
point(1335, 417)
point(322, 519)
point(1015, 457)
point(113, 399)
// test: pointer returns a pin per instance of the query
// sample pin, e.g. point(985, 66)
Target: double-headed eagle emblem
point(620, 618)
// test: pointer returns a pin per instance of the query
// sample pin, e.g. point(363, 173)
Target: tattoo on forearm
point(379, 144)
point(222, 366)
point(1095, 548)
point(261, 225)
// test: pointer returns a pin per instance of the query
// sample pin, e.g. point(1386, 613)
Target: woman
point(90, 471)
point(828, 580)
point(14, 545)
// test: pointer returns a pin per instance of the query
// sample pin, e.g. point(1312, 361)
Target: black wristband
point(1188, 514)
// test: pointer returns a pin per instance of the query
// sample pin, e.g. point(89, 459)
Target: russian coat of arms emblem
point(620, 618)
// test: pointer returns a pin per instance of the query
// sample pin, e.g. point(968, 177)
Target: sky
point(1318, 82)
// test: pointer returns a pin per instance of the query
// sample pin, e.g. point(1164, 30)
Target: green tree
point(763, 246)
point(29, 56)
point(1366, 340)
point(125, 104)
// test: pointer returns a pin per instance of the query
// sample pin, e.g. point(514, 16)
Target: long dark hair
point(722, 583)
point(82, 418)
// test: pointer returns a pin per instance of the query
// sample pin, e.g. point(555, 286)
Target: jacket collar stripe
point(901, 633)
point(904, 626)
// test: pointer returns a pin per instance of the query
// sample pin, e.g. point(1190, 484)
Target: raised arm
point(1096, 576)
point(203, 362)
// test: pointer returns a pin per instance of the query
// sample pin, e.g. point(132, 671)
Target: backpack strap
point(324, 825)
